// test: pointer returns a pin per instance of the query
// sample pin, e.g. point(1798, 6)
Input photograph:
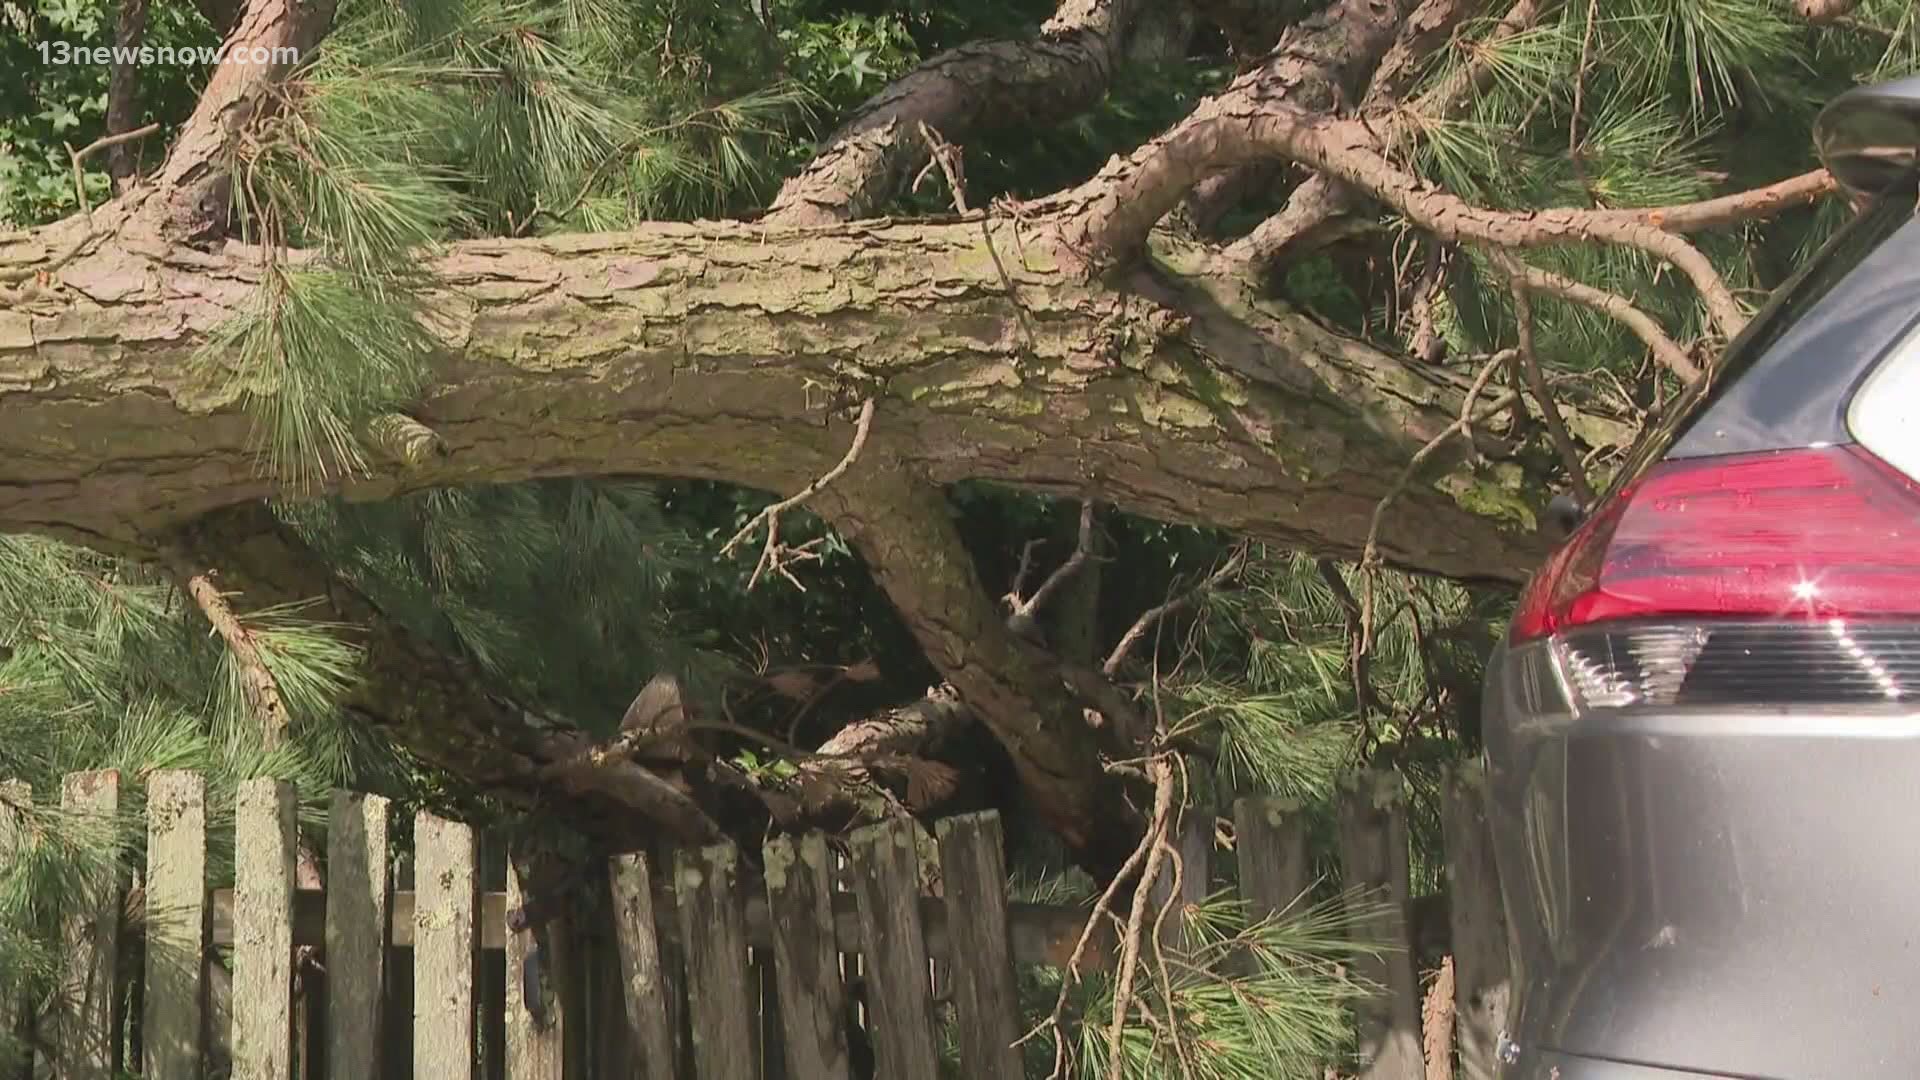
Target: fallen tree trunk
point(738, 353)
point(733, 353)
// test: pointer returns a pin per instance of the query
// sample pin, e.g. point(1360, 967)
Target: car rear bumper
point(1732, 892)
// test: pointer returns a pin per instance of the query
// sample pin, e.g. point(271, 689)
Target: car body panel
point(1702, 889)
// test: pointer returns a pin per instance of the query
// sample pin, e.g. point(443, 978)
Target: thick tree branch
point(1755, 204)
point(1310, 219)
point(1255, 117)
point(901, 526)
point(268, 39)
point(1392, 61)
point(1426, 31)
point(1060, 72)
point(1313, 71)
point(722, 351)
point(1317, 214)
point(1612, 305)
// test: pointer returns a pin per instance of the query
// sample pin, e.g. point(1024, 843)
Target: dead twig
point(1529, 360)
point(1152, 616)
point(103, 142)
point(1161, 770)
point(1370, 554)
point(1082, 550)
point(258, 688)
point(947, 158)
point(776, 556)
point(1102, 911)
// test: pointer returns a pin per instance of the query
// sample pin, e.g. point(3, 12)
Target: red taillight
point(1818, 533)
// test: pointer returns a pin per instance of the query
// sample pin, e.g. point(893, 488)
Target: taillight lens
point(1785, 576)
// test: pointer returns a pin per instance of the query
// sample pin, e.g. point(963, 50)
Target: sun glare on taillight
point(1820, 533)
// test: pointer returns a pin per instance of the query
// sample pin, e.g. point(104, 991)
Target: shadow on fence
point(696, 965)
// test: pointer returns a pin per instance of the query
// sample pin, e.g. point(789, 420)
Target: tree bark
point(731, 352)
point(1062, 71)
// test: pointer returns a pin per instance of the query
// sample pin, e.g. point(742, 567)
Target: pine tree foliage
point(104, 665)
point(1243, 999)
point(565, 591)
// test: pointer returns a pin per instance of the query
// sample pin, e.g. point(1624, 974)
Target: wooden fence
point(708, 969)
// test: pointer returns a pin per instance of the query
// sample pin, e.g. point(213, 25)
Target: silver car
point(1703, 732)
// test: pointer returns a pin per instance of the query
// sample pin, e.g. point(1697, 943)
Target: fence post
point(806, 965)
point(886, 884)
point(536, 1045)
point(1270, 842)
point(16, 801)
point(643, 985)
point(263, 861)
point(444, 948)
point(714, 934)
point(973, 873)
point(89, 1029)
point(356, 934)
point(1373, 854)
point(1479, 922)
point(176, 923)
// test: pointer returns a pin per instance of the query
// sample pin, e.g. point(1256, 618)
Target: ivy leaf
point(857, 64)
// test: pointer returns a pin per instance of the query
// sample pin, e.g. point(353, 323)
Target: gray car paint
point(1730, 891)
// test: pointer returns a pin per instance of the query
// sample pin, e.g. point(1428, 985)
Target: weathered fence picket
point(973, 865)
point(175, 923)
point(445, 893)
point(86, 1045)
point(713, 933)
point(773, 974)
point(1270, 841)
point(643, 982)
point(886, 882)
point(536, 1035)
point(356, 931)
point(263, 865)
point(805, 960)
point(1373, 855)
point(1479, 923)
